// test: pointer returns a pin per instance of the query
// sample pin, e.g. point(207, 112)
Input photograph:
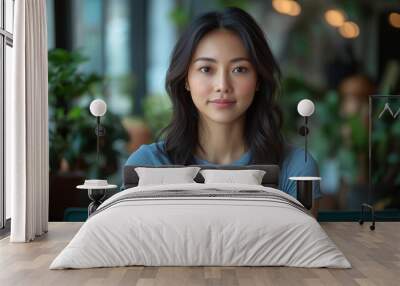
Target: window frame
point(6, 39)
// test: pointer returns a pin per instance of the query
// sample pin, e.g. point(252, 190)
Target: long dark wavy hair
point(263, 117)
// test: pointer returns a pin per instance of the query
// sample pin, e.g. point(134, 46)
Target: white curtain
point(27, 124)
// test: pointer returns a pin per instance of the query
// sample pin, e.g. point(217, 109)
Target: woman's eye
point(204, 69)
point(240, 70)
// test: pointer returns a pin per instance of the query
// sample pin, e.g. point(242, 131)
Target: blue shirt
point(293, 165)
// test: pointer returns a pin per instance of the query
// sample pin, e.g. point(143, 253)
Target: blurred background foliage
point(71, 126)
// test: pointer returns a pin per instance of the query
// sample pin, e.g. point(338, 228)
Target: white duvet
point(183, 231)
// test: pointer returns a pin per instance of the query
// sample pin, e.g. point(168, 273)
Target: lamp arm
point(305, 137)
point(98, 140)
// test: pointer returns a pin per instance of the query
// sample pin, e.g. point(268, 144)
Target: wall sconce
point(305, 108)
point(98, 108)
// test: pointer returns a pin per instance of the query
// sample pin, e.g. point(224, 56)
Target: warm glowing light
point(349, 30)
point(335, 18)
point(288, 7)
point(394, 19)
point(295, 9)
point(281, 6)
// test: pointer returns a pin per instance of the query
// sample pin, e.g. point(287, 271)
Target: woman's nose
point(222, 83)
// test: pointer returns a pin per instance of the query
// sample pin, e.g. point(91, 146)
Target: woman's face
point(221, 79)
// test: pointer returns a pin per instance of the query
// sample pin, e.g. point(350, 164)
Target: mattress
point(201, 225)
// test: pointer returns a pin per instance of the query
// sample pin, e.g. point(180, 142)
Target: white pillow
point(162, 176)
point(248, 177)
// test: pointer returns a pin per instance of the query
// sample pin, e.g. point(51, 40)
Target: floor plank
point(374, 255)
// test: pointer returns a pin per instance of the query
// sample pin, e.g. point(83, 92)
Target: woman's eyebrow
point(239, 60)
point(205, 59)
point(214, 60)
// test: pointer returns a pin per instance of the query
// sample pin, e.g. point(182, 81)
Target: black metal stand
point(96, 196)
point(368, 205)
point(100, 132)
point(304, 193)
point(303, 131)
point(361, 221)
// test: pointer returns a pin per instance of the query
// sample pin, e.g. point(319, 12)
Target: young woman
point(223, 81)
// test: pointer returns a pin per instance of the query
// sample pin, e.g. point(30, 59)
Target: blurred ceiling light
point(295, 9)
point(394, 19)
point(349, 30)
point(335, 17)
point(288, 7)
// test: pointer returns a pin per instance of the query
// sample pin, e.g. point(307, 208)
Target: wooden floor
point(374, 255)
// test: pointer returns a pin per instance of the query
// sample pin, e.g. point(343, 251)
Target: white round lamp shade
point(98, 107)
point(305, 107)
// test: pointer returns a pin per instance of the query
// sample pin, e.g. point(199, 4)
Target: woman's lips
point(223, 103)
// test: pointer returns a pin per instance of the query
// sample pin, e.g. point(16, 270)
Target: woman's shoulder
point(150, 149)
point(149, 154)
point(293, 150)
point(294, 157)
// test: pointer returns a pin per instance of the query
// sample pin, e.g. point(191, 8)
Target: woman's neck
point(222, 143)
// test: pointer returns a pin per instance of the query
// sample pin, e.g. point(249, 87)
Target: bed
point(201, 224)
